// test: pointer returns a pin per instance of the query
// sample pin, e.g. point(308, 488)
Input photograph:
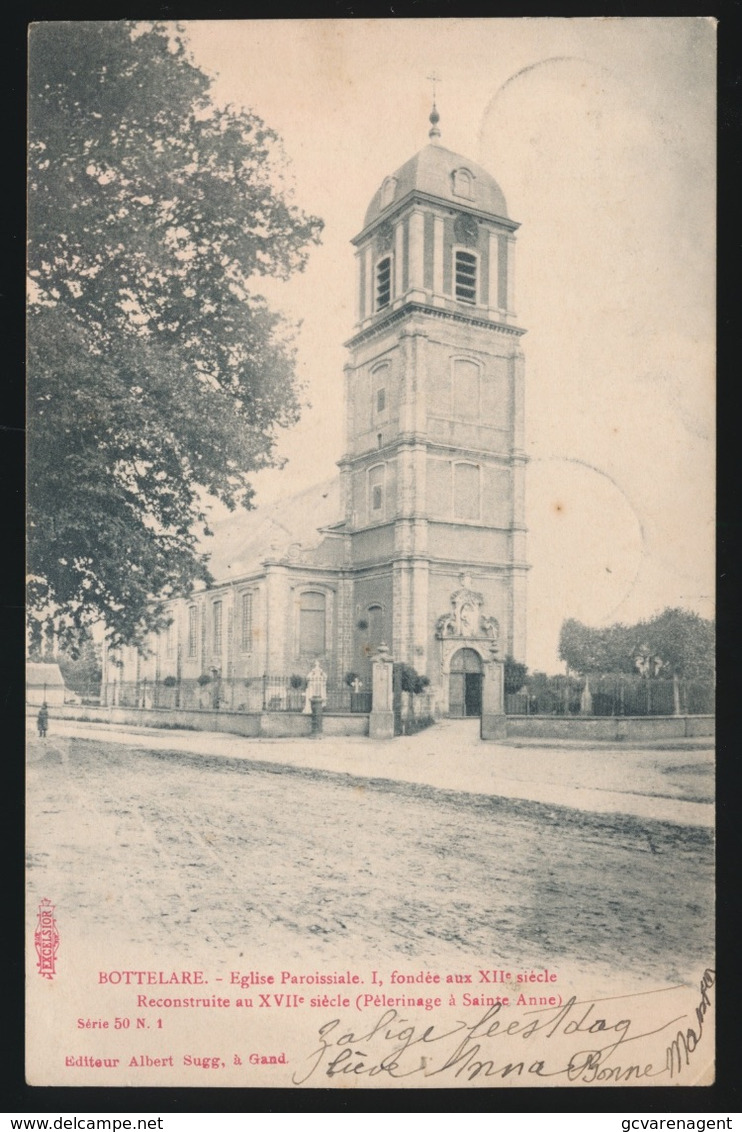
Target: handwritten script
point(596, 1041)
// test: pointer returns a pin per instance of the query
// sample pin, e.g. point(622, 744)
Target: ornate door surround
point(465, 626)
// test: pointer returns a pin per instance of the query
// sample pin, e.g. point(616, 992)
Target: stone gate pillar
point(494, 724)
point(381, 720)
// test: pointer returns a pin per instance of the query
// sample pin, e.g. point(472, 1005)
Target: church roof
point(289, 528)
point(431, 171)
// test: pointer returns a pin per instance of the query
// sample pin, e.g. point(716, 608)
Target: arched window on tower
point(379, 391)
point(466, 491)
point(376, 477)
point(465, 379)
point(383, 282)
point(312, 611)
point(465, 277)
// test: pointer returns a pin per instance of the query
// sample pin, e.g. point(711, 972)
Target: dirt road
point(191, 853)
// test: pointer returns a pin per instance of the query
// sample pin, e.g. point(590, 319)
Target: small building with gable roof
point(45, 684)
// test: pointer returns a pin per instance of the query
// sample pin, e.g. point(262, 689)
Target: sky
point(601, 134)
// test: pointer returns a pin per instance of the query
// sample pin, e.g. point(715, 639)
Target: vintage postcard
point(409, 783)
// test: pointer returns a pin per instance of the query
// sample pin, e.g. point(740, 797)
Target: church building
point(420, 542)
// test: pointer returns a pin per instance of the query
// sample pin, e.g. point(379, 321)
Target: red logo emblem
point(46, 940)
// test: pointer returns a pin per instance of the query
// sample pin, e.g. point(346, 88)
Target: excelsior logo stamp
point(46, 940)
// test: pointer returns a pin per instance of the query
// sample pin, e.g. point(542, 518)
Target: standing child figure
point(43, 721)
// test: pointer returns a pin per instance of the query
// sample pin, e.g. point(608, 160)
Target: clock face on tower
point(466, 230)
point(385, 238)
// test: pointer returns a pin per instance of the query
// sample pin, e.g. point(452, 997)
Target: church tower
point(433, 473)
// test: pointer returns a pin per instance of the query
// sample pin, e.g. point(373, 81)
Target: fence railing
point(249, 694)
point(619, 695)
point(612, 695)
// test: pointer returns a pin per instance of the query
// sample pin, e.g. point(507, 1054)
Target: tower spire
point(434, 133)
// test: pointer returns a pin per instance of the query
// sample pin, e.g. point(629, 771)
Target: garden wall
point(610, 728)
point(252, 725)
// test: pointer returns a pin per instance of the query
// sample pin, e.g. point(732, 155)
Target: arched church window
point(246, 623)
point(376, 491)
point(374, 616)
point(465, 379)
point(312, 610)
point(216, 626)
point(465, 277)
point(466, 491)
point(192, 630)
point(383, 282)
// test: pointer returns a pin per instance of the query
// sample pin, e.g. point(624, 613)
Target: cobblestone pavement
point(184, 843)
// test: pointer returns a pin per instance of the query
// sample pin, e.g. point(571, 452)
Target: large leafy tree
point(675, 642)
point(612, 648)
point(684, 642)
point(157, 373)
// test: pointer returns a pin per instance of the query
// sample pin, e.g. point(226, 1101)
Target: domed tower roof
point(438, 172)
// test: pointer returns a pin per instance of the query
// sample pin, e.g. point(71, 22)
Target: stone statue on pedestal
point(316, 687)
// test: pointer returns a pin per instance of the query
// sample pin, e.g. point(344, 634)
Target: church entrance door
point(465, 687)
point(473, 693)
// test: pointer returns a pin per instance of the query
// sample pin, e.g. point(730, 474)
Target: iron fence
point(612, 695)
point(248, 694)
